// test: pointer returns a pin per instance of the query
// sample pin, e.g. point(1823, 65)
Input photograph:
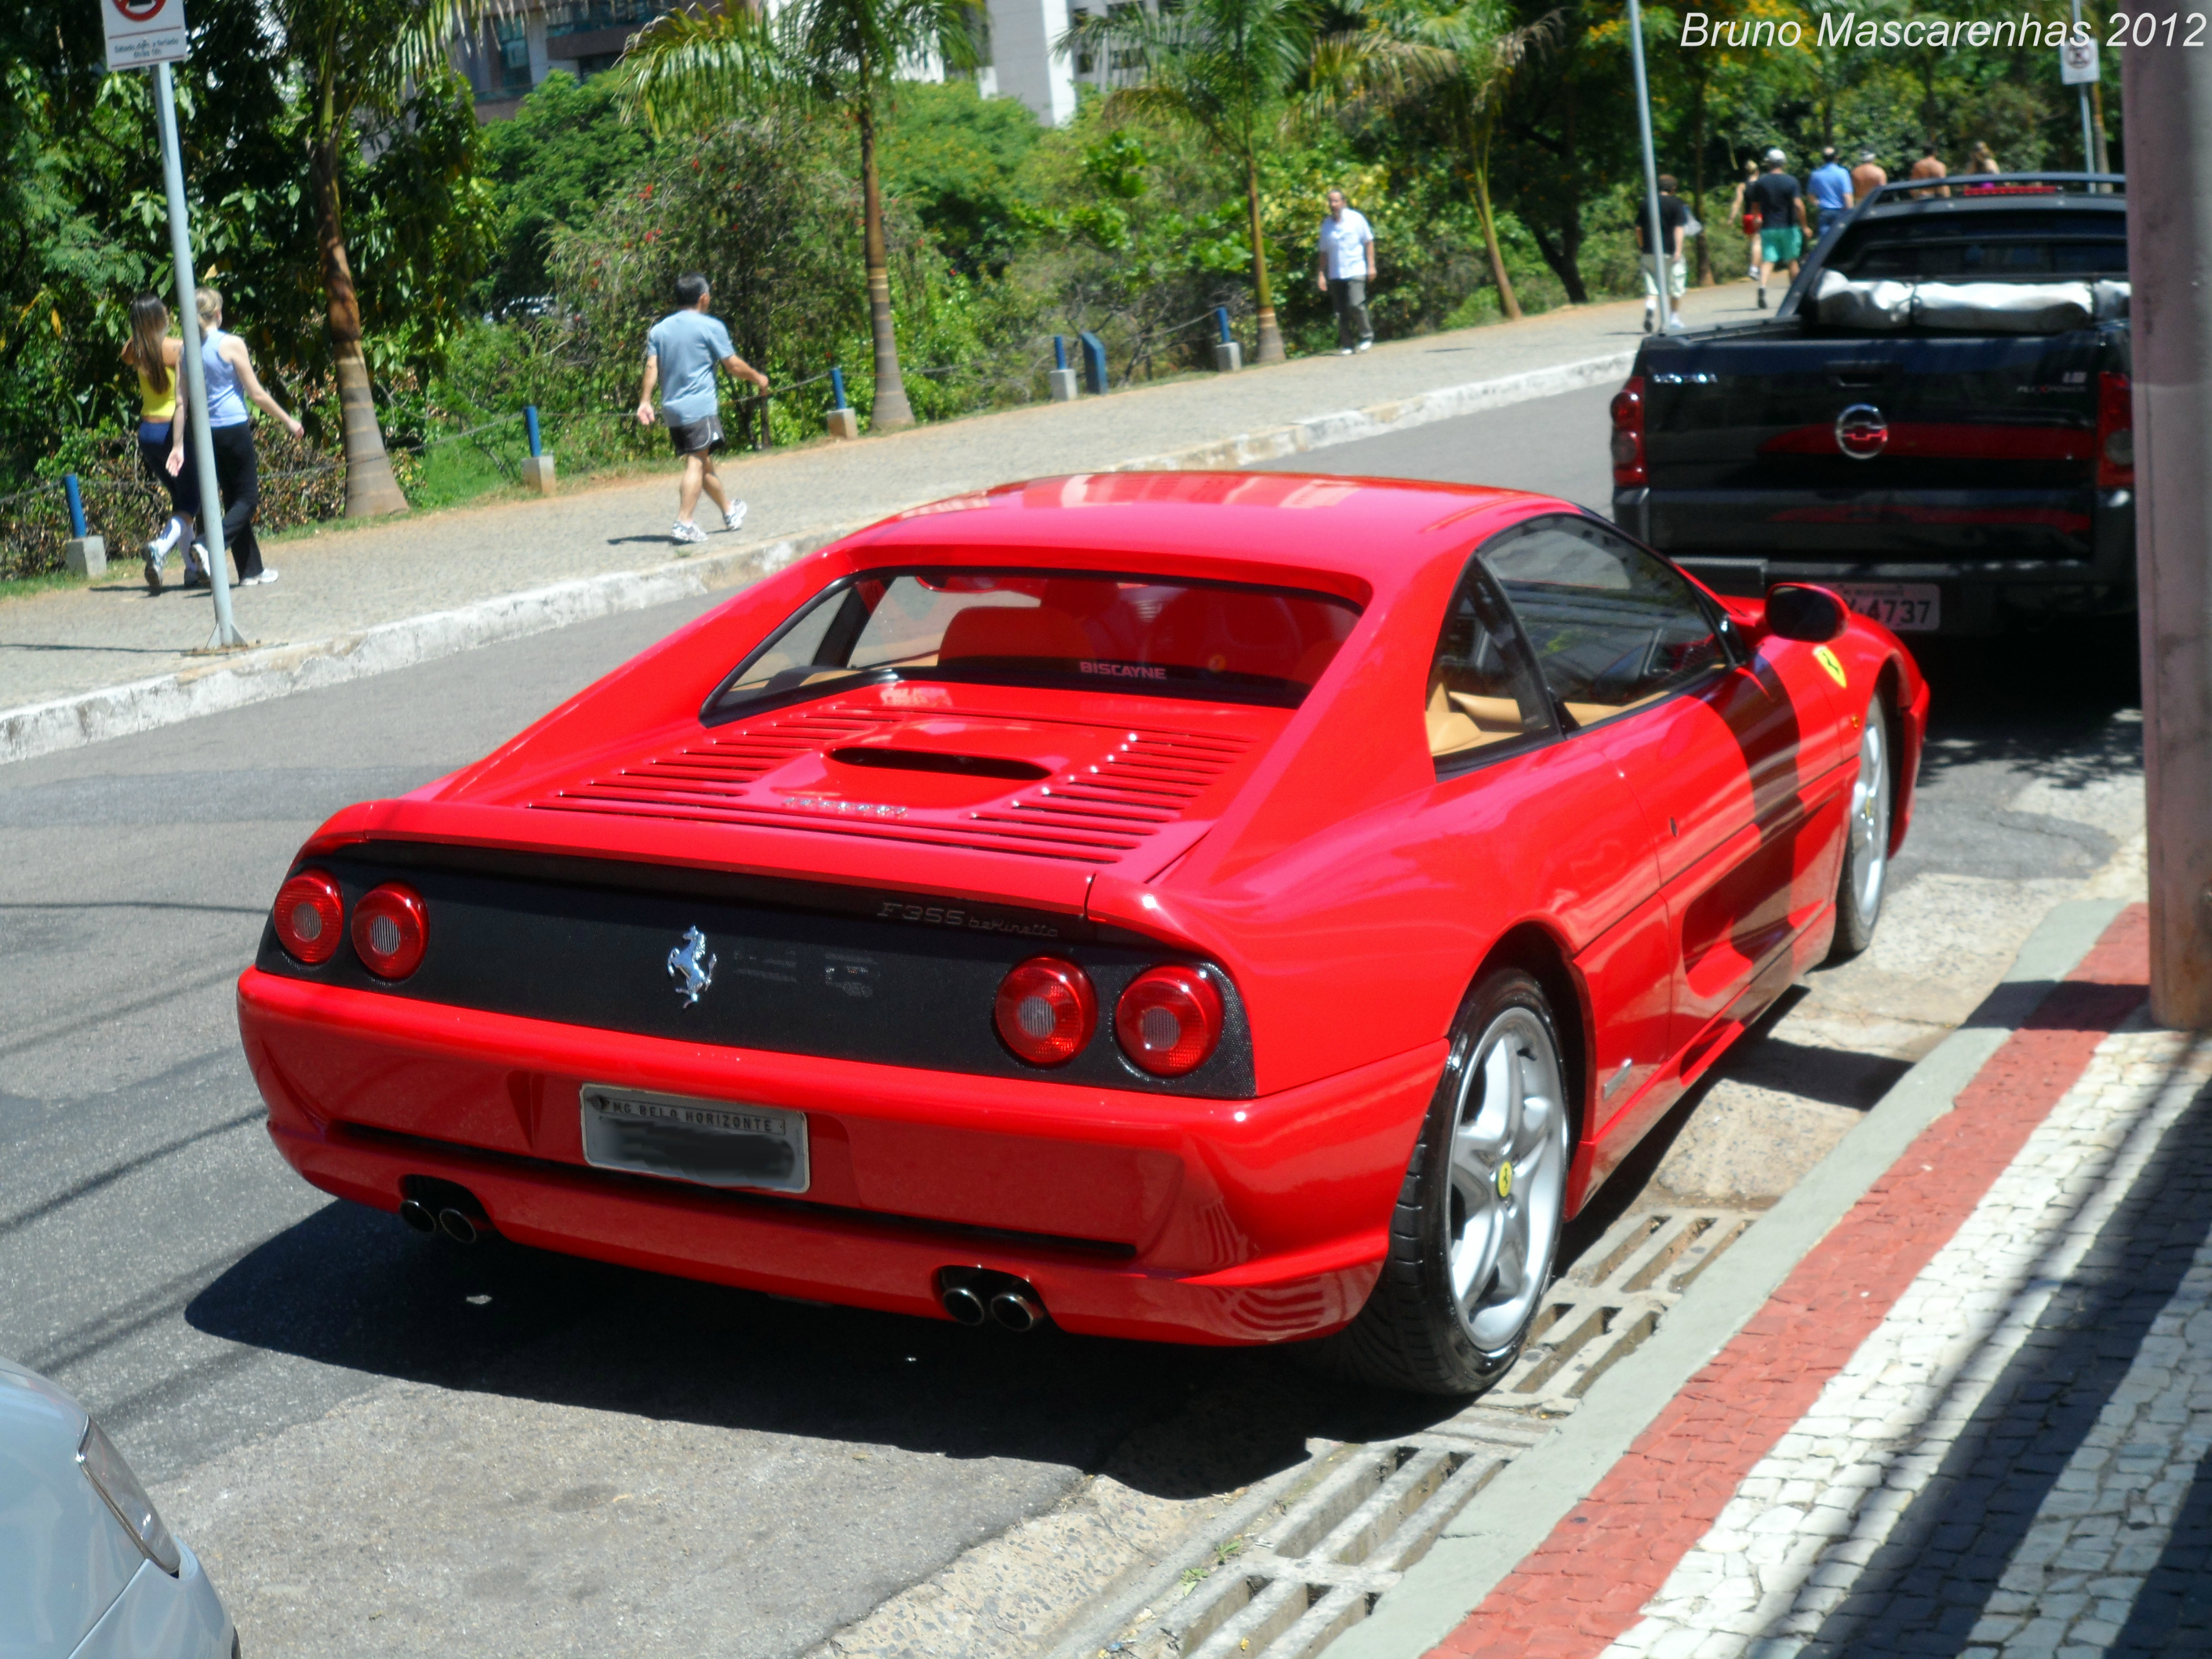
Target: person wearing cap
point(1829, 187)
point(1867, 177)
point(1780, 203)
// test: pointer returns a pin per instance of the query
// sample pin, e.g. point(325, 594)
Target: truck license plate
point(1901, 607)
point(716, 1142)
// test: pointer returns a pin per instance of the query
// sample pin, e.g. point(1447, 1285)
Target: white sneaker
point(266, 575)
point(1344, 351)
point(735, 518)
point(1365, 345)
point(158, 549)
point(685, 530)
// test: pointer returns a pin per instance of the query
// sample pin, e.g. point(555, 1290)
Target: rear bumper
point(1987, 554)
point(1240, 1221)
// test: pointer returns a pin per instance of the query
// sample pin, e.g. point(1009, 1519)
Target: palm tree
point(1459, 57)
point(360, 58)
point(1232, 71)
point(839, 55)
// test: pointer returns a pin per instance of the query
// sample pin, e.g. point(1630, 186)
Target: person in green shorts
point(1780, 204)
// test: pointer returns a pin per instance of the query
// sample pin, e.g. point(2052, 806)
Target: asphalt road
point(370, 1426)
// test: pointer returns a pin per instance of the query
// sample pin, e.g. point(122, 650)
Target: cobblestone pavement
point(2001, 1467)
point(1973, 1422)
point(346, 579)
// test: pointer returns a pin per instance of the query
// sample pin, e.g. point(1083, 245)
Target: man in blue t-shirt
point(1830, 189)
point(681, 354)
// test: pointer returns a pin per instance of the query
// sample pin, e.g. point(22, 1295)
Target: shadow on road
point(351, 1287)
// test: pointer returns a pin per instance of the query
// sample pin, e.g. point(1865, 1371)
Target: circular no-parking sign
point(139, 11)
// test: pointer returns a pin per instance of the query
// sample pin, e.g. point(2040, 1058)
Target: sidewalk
point(78, 666)
point(1971, 1420)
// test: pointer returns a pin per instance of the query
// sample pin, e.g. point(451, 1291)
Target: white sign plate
point(2077, 62)
point(144, 33)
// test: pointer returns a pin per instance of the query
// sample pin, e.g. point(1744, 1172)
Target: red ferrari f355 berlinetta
point(1203, 908)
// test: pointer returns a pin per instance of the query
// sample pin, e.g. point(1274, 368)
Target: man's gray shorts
point(1350, 293)
point(697, 437)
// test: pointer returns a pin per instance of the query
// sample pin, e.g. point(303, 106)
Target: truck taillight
point(1628, 466)
point(2116, 431)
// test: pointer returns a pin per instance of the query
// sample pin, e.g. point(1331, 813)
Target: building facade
point(511, 53)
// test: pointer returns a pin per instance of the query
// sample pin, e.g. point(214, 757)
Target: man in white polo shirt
point(1347, 265)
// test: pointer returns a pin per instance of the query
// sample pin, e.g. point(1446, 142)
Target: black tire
point(1864, 882)
point(1416, 1333)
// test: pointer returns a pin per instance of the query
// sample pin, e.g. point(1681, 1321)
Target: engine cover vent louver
point(1092, 813)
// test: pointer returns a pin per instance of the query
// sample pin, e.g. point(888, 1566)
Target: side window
point(1612, 626)
point(1482, 691)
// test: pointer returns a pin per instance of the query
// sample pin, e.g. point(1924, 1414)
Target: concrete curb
point(233, 681)
point(1538, 1490)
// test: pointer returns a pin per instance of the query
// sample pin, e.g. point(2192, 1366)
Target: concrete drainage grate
point(1601, 1312)
point(1353, 1519)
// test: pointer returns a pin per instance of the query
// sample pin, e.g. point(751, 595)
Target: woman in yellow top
point(155, 353)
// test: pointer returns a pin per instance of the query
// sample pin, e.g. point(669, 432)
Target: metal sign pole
point(225, 634)
point(2088, 127)
point(1661, 265)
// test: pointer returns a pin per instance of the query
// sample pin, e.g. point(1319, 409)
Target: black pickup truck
point(1935, 421)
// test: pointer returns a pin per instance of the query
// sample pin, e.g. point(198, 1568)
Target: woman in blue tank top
point(231, 385)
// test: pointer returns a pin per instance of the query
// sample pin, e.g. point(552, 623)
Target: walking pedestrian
point(682, 353)
point(1347, 265)
point(1867, 177)
point(1930, 167)
point(1829, 187)
point(1745, 213)
point(1781, 205)
point(1673, 221)
point(156, 355)
point(231, 383)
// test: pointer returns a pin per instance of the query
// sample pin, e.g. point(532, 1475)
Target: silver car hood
point(63, 1557)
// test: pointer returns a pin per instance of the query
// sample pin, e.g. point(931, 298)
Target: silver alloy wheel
point(1508, 1178)
point(1869, 821)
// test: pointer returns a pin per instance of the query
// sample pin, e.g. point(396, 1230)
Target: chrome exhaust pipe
point(1016, 1310)
point(461, 1226)
point(418, 1215)
point(964, 1306)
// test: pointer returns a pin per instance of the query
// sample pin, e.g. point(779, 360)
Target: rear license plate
point(715, 1143)
point(1902, 607)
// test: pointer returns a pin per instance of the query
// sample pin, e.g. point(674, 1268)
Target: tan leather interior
point(1460, 721)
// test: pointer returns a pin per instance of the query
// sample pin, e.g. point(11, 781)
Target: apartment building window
point(583, 17)
point(513, 54)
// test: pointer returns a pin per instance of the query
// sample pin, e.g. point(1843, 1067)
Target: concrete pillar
point(2169, 110)
point(533, 35)
point(537, 473)
point(1022, 60)
point(1228, 356)
point(86, 555)
point(844, 423)
point(1062, 381)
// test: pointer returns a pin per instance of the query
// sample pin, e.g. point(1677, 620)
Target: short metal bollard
point(538, 467)
point(1228, 355)
point(844, 421)
point(1061, 379)
point(84, 554)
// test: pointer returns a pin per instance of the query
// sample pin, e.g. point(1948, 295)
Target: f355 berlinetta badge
point(693, 968)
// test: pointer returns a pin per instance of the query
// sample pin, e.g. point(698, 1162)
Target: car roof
point(1266, 527)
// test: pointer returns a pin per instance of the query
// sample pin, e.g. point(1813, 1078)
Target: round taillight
point(1168, 1020)
point(310, 916)
point(1046, 1010)
point(390, 929)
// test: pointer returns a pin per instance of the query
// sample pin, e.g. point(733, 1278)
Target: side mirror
point(1797, 612)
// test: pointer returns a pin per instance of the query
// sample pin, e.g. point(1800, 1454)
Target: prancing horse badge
point(693, 968)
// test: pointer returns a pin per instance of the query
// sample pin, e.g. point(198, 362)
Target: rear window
point(1157, 636)
point(1985, 247)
